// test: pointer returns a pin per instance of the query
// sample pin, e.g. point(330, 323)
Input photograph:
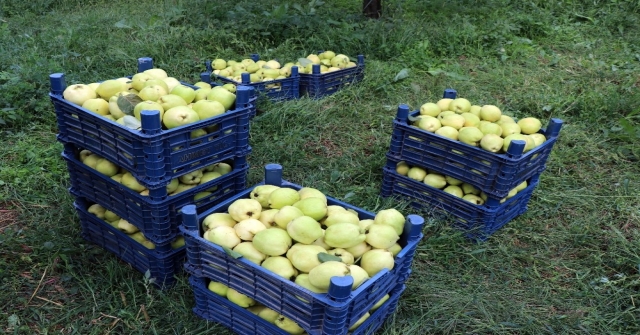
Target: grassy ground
point(569, 265)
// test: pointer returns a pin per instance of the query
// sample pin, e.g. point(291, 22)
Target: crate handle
point(403, 113)
point(553, 129)
point(246, 78)
point(243, 95)
point(205, 77)
point(145, 63)
point(340, 288)
point(449, 93)
point(413, 225)
point(150, 120)
point(273, 174)
point(516, 148)
point(190, 217)
point(58, 84)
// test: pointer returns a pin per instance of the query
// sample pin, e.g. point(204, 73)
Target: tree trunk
point(372, 8)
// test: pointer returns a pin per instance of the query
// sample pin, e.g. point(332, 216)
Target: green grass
point(569, 265)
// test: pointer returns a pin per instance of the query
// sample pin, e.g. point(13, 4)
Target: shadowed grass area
point(569, 265)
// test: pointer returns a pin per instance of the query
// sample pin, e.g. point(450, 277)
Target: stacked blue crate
point(156, 215)
point(162, 263)
point(154, 156)
point(494, 174)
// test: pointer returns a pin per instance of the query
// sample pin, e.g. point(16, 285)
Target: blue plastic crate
point(477, 221)
point(215, 308)
point(495, 174)
point(156, 215)
point(153, 155)
point(318, 85)
point(163, 262)
point(312, 311)
point(285, 89)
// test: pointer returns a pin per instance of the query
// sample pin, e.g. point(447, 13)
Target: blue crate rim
point(104, 122)
point(274, 81)
point(353, 69)
point(285, 183)
point(290, 185)
point(142, 136)
point(550, 141)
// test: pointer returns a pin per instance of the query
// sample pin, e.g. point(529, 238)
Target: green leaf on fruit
point(232, 253)
point(325, 257)
point(413, 118)
point(128, 102)
point(131, 122)
point(404, 73)
point(304, 61)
